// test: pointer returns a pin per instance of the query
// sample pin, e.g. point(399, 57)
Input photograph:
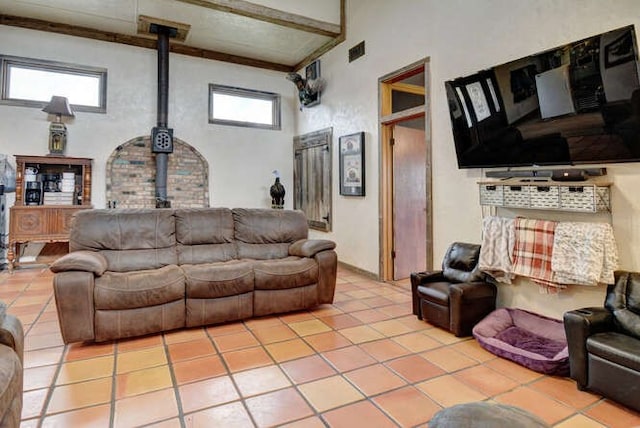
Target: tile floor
point(363, 361)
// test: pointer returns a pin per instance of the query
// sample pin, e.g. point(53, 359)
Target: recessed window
point(243, 107)
point(31, 82)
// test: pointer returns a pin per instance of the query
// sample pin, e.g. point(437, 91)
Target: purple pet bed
point(534, 341)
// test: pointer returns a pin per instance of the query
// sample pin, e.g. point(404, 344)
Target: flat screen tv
point(574, 104)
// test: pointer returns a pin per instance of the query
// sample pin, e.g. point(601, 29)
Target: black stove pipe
point(163, 75)
point(162, 144)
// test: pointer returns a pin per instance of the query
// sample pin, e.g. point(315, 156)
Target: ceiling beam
point(274, 16)
point(143, 42)
point(330, 44)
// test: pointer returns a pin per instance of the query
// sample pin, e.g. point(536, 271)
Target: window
point(32, 82)
point(243, 107)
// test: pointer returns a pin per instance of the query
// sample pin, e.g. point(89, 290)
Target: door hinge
point(392, 141)
point(393, 254)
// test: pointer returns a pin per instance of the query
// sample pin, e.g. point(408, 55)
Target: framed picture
point(619, 51)
point(478, 101)
point(352, 165)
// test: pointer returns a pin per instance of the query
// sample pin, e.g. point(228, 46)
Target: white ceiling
point(273, 34)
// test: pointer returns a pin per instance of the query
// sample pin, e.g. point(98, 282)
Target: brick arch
point(131, 171)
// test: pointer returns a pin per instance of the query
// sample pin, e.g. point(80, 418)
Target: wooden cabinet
point(46, 217)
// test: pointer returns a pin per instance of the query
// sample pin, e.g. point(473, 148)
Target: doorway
point(406, 219)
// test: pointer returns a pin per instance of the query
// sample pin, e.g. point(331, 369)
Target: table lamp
point(57, 130)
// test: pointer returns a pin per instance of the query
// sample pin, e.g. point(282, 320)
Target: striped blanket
point(532, 251)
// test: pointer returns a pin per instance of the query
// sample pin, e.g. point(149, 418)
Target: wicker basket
point(491, 194)
point(578, 198)
point(516, 196)
point(544, 197)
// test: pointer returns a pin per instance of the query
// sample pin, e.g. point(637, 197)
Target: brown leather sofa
point(11, 372)
point(457, 297)
point(132, 272)
point(604, 343)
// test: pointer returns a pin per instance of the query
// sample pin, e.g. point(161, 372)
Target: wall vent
point(356, 52)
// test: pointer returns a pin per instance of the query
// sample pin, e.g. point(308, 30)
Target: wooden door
point(406, 227)
point(409, 199)
point(312, 177)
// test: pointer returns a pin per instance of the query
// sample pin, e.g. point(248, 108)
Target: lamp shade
point(59, 106)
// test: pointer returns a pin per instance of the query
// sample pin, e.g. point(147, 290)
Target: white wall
point(240, 159)
point(460, 37)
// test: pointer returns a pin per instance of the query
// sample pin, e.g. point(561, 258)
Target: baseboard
point(359, 271)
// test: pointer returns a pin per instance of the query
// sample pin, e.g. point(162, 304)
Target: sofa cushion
point(623, 300)
point(204, 235)
point(290, 272)
point(130, 240)
point(460, 264)
point(206, 253)
point(437, 292)
point(139, 289)
point(220, 309)
point(267, 233)
point(267, 302)
point(211, 280)
point(115, 324)
point(616, 347)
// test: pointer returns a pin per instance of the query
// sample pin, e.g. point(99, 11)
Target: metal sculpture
point(277, 192)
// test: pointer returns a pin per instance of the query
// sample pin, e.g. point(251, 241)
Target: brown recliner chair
point(11, 371)
point(457, 297)
point(604, 343)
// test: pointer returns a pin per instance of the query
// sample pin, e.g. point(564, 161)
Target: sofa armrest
point(12, 334)
point(87, 261)
point(322, 250)
point(419, 278)
point(310, 247)
point(473, 290)
point(74, 301)
point(579, 324)
point(327, 274)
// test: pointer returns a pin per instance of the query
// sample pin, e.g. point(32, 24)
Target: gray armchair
point(11, 370)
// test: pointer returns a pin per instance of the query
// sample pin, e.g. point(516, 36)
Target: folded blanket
point(498, 239)
point(584, 253)
point(532, 251)
point(611, 260)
